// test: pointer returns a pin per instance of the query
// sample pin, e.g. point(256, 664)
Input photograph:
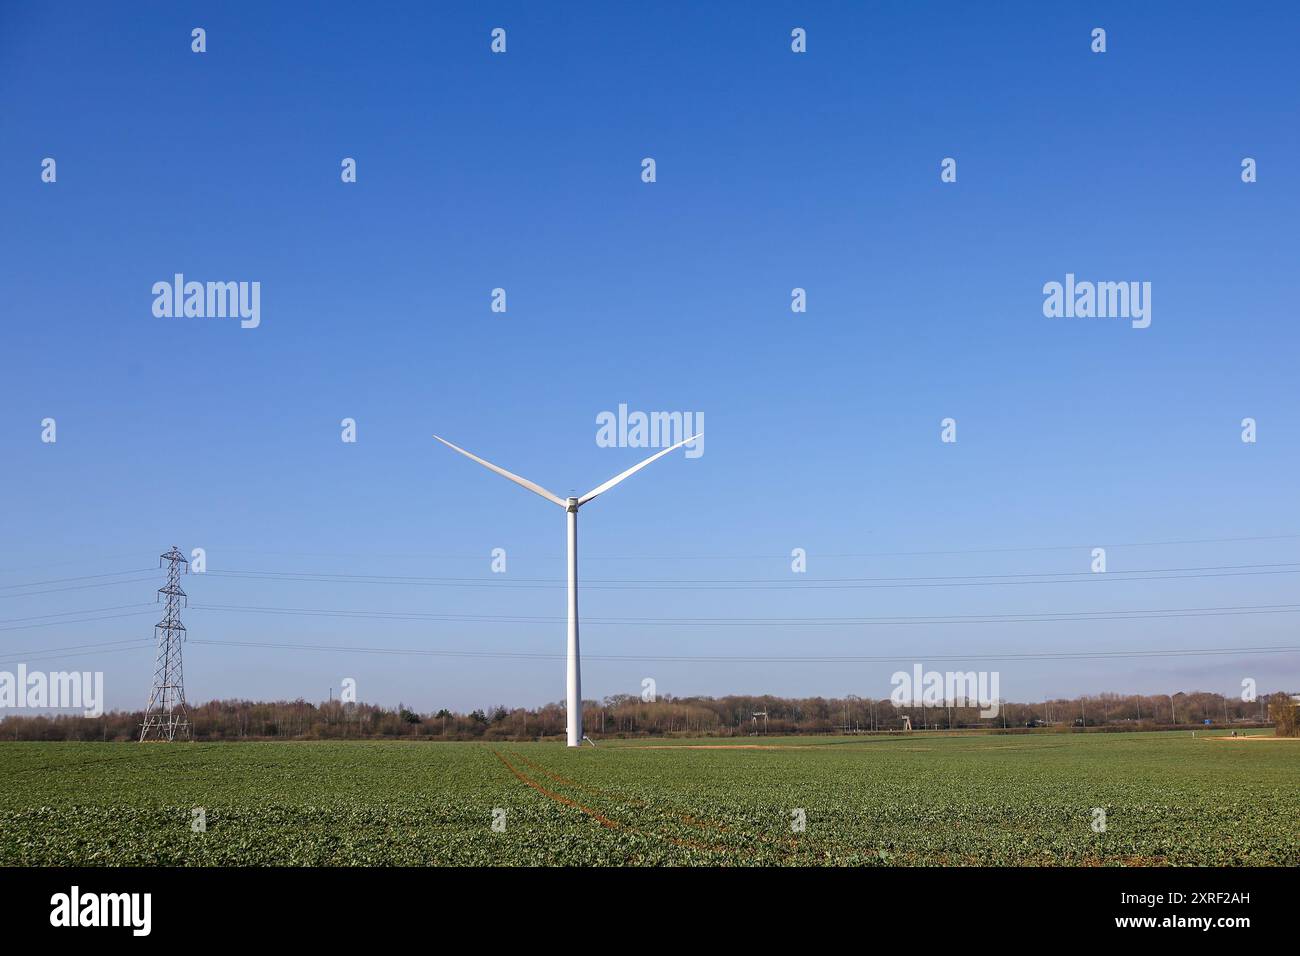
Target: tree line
point(627, 715)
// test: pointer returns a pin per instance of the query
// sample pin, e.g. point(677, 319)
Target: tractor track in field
point(789, 846)
point(597, 815)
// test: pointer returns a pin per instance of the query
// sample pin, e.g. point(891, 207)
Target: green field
point(915, 800)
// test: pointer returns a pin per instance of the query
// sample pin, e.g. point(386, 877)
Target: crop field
point(1169, 799)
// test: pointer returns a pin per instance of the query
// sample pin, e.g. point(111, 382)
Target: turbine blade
point(531, 486)
point(600, 489)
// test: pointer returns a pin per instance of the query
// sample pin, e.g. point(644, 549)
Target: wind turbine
point(571, 505)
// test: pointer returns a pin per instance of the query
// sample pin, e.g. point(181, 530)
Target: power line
point(911, 577)
point(81, 621)
point(1027, 617)
point(135, 642)
point(1118, 614)
point(672, 557)
point(80, 577)
point(516, 582)
point(749, 659)
point(64, 564)
point(75, 587)
point(1063, 547)
point(88, 620)
point(777, 584)
point(89, 610)
point(762, 556)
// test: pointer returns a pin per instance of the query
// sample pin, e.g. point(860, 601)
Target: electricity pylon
point(166, 718)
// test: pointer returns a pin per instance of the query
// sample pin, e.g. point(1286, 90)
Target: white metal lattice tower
point(165, 718)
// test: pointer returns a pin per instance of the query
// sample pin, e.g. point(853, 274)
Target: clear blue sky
point(522, 171)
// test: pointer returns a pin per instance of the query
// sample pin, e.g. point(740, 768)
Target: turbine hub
point(572, 505)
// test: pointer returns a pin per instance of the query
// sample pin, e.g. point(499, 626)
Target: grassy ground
point(920, 799)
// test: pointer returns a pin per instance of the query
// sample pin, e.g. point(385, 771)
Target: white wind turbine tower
point(571, 505)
